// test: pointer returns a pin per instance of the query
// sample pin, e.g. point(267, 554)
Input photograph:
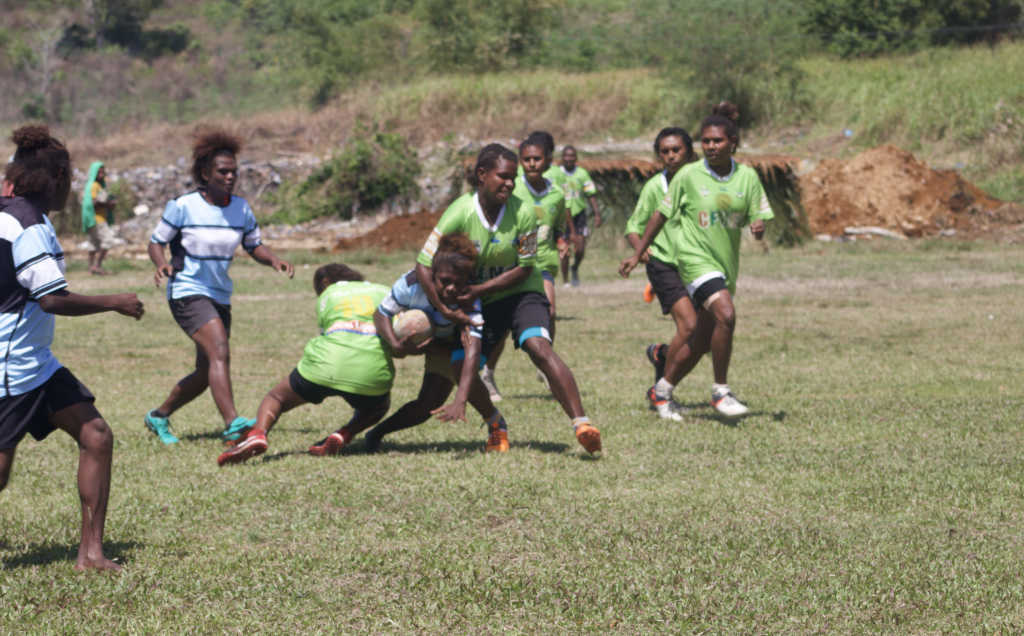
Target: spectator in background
point(97, 214)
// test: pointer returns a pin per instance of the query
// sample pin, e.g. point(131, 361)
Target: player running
point(204, 228)
point(448, 359)
point(548, 204)
point(674, 149)
point(578, 185)
point(714, 199)
point(348, 361)
point(509, 284)
point(554, 175)
point(39, 395)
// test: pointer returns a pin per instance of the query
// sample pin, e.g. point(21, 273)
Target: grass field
point(876, 487)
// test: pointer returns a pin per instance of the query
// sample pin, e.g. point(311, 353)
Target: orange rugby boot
point(589, 438)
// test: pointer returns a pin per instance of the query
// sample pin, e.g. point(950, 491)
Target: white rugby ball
point(413, 323)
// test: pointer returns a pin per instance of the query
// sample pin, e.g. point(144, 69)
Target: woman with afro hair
point(203, 229)
point(38, 394)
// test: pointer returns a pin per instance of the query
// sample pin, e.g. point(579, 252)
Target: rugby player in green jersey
point(578, 185)
point(548, 204)
point(714, 199)
point(674, 149)
point(348, 360)
point(509, 283)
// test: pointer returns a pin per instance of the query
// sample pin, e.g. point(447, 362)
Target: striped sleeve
point(35, 263)
point(251, 238)
point(170, 224)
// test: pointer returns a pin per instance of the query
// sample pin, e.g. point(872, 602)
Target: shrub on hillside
point(869, 27)
point(373, 168)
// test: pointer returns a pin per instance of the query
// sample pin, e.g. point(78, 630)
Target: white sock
point(576, 421)
point(719, 388)
point(488, 372)
point(663, 389)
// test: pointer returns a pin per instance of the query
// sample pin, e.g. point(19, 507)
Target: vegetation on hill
point(433, 69)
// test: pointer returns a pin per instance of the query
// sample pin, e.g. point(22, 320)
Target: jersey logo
point(739, 195)
point(431, 246)
point(352, 326)
point(723, 201)
point(704, 191)
point(476, 244)
point(495, 239)
point(528, 245)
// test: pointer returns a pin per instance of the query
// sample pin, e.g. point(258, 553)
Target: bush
point(372, 169)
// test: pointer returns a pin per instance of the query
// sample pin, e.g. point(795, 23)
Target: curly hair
point(334, 273)
point(725, 115)
point(38, 162)
point(207, 143)
point(456, 251)
point(488, 160)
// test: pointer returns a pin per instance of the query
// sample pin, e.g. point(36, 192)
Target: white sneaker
point(667, 409)
point(492, 388)
point(575, 276)
point(543, 378)
point(727, 404)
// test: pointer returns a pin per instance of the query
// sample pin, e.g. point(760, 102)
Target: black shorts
point(527, 314)
point(580, 223)
point(666, 283)
point(316, 393)
point(30, 412)
point(708, 289)
point(193, 312)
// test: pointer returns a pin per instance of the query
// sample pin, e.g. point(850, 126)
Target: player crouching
point(348, 360)
point(453, 356)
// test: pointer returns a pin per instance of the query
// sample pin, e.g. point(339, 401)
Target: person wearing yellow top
point(97, 213)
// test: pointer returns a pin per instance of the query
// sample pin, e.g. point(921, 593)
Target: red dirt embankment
point(887, 187)
point(398, 232)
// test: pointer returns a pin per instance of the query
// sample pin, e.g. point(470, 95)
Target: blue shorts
point(546, 275)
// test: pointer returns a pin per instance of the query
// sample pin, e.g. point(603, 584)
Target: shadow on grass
point(191, 437)
point(456, 447)
point(733, 422)
point(46, 553)
point(536, 396)
point(567, 318)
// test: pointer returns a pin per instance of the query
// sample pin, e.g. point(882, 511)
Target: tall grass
point(955, 95)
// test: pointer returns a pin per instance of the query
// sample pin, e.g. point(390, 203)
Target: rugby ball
point(413, 323)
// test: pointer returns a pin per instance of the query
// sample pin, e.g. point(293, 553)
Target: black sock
point(160, 414)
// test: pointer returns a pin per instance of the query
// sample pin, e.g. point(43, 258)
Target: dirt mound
point(887, 187)
point(397, 233)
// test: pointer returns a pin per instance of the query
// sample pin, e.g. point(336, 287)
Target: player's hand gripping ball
point(413, 323)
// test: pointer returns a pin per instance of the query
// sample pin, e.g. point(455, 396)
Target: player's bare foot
point(101, 563)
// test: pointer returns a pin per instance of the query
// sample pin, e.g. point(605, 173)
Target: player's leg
point(686, 359)
point(479, 399)
point(581, 246)
point(6, 462)
point(434, 392)
point(487, 374)
point(530, 316)
point(549, 291)
point(724, 314)
point(212, 339)
point(187, 389)
point(278, 401)
point(96, 447)
point(369, 409)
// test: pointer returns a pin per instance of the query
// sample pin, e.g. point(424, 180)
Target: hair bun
point(727, 110)
point(32, 137)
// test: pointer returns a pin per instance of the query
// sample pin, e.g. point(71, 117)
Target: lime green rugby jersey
point(712, 212)
point(349, 356)
point(553, 174)
point(663, 247)
point(549, 208)
point(499, 248)
point(578, 186)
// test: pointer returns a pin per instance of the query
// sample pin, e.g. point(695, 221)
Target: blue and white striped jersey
point(407, 294)
point(31, 266)
point(203, 241)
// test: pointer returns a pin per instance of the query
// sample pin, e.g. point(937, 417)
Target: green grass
point(876, 487)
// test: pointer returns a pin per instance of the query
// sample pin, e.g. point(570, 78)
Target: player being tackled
point(348, 360)
point(454, 355)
